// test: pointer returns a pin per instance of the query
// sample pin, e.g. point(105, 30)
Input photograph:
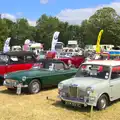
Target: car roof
point(18, 53)
point(103, 62)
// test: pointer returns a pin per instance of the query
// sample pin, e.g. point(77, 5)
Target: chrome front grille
point(73, 91)
point(76, 92)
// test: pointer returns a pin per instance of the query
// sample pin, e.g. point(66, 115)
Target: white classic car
point(96, 83)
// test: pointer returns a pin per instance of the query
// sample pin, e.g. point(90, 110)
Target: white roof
point(103, 62)
point(36, 45)
point(16, 46)
point(72, 42)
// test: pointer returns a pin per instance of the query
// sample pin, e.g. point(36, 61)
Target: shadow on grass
point(23, 92)
point(6, 91)
point(85, 110)
point(49, 88)
point(13, 92)
point(114, 102)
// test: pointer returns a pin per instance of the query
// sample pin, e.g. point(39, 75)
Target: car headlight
point(89, 90)
point(60, 86)
point(24, 78)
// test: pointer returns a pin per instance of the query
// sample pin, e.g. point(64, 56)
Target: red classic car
point(67, 58)
point(15, 61)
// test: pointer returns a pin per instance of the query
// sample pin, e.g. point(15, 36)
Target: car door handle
point(111, 85)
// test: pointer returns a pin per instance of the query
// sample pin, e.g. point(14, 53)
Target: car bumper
point(13, 85)
point(86, 101)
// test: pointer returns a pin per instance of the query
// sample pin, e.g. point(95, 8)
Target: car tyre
point(102, 102)
point(34, 86)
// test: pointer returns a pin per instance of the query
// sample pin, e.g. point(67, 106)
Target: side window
point(115, 73)
point(29, 58)
point(58, 66)
point(16, 59)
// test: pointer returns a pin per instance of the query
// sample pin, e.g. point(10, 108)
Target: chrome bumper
point(78, 101)
point(13, 85)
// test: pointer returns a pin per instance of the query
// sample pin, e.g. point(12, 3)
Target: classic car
point(76, 60)
point(96, 83)
point(46, 73)
point(15, 61)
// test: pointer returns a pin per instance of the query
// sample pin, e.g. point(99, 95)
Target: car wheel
point(34, 87)
point(102, 102)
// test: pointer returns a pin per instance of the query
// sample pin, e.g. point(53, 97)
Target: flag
point(54, 40)
point(98, 41)
point(6, 47)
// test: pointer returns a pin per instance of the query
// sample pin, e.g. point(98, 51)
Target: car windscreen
point(3, 59)
point(96, 71)
point(48, 65)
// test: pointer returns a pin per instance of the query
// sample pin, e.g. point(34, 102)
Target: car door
point(115, 83)
point(15, 64)
point(55, 75)
point(62, 72)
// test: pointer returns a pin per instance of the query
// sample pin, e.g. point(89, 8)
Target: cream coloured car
point(96, 83)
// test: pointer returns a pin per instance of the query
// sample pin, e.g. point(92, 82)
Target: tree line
point(86, 33)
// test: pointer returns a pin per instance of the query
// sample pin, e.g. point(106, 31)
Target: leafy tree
point(4, 33)
point(86, 33)
point(106, 19)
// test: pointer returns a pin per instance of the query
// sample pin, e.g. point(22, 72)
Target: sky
point(72, 11)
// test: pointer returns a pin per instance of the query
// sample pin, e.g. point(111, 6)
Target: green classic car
point(47, 72)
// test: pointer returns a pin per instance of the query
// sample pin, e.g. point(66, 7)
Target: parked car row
point(15, 61)
point(47, 73)
point(95, 83)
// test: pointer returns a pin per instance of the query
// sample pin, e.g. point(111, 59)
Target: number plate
point(73, 104)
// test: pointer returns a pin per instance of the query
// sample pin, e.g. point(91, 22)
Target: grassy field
point(37, 107)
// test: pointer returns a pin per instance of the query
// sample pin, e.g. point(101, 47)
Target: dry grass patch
point(37, 107)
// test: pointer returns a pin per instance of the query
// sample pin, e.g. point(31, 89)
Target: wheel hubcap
point(35, 87)
point(103, 103)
